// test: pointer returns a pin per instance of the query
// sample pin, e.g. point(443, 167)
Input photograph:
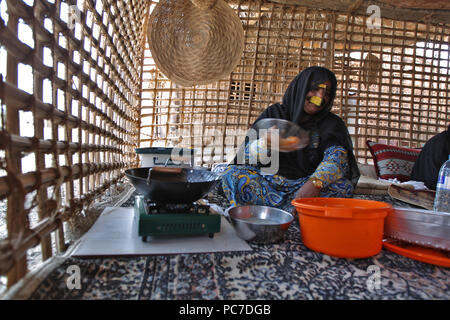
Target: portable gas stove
point(154, 219)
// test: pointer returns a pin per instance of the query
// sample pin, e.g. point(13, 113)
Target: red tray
point(419, 253)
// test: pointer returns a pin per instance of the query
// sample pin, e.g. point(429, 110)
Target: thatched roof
point(437, 11)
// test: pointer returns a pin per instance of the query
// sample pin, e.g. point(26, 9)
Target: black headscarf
point(326, 128)
point(432, 156)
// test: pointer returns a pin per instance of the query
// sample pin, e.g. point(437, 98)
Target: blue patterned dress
point(245, 185)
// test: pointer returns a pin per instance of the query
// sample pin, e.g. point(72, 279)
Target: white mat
point(115, 234)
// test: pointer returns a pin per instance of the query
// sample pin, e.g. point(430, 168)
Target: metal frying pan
point(184, 185)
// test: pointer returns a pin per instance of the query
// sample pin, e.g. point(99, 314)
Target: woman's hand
point(308, 190)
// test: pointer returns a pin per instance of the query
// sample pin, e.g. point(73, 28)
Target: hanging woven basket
point(195, 42)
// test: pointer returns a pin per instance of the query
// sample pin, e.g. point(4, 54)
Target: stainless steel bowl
point(286, 129)
point(259, 224)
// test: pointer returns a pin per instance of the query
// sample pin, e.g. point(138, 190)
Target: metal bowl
point(287, 130)
point(259, 224)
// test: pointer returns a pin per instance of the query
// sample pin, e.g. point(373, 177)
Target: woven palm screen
point(80, 91)
point(393, 80)
point(69, 92)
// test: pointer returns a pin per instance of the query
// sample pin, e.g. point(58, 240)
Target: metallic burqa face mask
point(318, 101)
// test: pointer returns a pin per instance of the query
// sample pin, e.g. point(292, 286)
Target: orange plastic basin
point(341, 227)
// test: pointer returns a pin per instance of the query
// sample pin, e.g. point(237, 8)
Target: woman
point(325, 168)
point(431, 158)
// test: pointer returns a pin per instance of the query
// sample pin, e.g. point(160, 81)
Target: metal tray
point(423, 227)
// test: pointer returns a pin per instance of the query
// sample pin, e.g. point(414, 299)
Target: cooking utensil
point(417, 226)
point(179, 173)
point(178, 186)
point(291, 135)
point(347, 228)
point(259, 224)
point(421, 198)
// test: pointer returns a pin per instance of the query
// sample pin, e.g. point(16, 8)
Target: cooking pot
point(183, 185)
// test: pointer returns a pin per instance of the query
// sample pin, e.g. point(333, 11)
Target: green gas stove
point(157, 219)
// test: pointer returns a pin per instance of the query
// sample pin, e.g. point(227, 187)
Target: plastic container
point(442, 199)
point(161, 156)
point(344, 228)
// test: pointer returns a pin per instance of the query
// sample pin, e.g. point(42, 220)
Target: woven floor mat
point(283, 271)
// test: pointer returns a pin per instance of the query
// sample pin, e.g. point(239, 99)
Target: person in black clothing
point(431, 158)
point(326, 167)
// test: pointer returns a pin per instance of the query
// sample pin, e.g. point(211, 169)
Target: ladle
point(166, 169)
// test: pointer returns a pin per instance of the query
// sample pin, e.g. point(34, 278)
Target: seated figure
point(325, 168)
point(431, 158)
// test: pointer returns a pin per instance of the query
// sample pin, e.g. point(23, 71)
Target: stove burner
point(161, 208)
point(155, 219)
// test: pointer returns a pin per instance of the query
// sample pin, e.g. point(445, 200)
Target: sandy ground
point(2, 236)
point(33, 256)
point(78, 226)
point(2, 219)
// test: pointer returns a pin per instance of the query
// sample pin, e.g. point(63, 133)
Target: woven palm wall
point(69, 93)
point(393, 80)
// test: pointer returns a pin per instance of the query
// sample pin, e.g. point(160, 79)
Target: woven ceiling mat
point(196, 42)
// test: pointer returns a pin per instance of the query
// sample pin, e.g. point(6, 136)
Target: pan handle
point(215, 209)
point(148, 181)
point(168, 169)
